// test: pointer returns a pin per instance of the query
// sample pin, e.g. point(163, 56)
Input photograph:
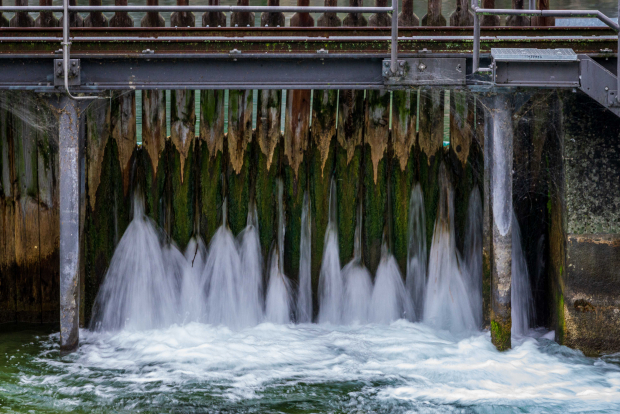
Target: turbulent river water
point(307, 368)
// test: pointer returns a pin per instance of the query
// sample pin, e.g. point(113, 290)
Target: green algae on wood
point(267, 169)
point(238, 150)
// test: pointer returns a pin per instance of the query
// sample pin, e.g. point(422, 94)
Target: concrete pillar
point(69, 224)
point(500, 163)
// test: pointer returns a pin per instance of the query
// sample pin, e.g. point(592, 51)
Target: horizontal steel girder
point(135, 42)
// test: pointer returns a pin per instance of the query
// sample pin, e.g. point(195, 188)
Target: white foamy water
point(390, 300)
point(416, 252)
point(447, 303)
point(357, 293)
point(396, 368)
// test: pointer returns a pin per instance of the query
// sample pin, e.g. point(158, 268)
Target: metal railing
point(477, 11)
point(543, 13)
point(66, 9)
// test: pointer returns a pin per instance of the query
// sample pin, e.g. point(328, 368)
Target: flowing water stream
point(220, 329)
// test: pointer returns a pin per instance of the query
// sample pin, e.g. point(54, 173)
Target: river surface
point(397, 368)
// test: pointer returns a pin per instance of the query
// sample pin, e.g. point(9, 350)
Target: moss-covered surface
point(319, 206)
point(183, 195)
point(105, 224)
point(375, 209)
point(486, 289)
point(238, 193)
point(500, 334)
point(401, 183)
point(294, 188)
point(266, 196)
point(348, 184)
point(211, 191)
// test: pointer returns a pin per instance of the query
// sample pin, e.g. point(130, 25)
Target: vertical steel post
point(69, 223)
point(476, 63)
point(394, 51)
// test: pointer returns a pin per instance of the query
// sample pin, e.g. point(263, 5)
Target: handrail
point(66, 8)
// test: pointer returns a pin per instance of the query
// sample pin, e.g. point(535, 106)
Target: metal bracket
point(74, 73)
point(426, 71)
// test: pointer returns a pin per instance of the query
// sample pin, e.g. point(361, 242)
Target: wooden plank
point(540, 20)
point(518, 20)
point(403, 170)
point(433, 16)
point(8, 293)
point(214, 19)
point(95, 19)
point(75, 20)
point(21, 19)
point(4, 22)
point(23, 143)
point(321, 156)
point(407, 17)
point(210, 161)
point(49, 216)
point(238, 149)
point(488, 20)
point(296, 137)
point(45, 19)
point(238, 158)
point(182, 134)
point(375, 165)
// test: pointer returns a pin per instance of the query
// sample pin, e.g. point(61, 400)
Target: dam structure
point(256, 187)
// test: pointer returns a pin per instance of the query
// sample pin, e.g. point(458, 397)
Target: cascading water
point(390, 300)
point(447, 304)
point(278, 302)
point(136, 292)
point(473, 253)
point(192, 299)
point(416, 253)
point(522, 303)
point(357, 282)
point(304, 295)
point(331, 285)
point(251, 280)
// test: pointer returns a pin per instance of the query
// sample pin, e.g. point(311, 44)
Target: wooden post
point(69, 224)
point(296, 137)
point(212, 118)
point(407, 17)
point(4, 22)
point(97, 119)
point(45, 19)
point(403, 163)
point(242, 19)
point(517, 20)
point(430, 135)
point(462, 16)
point(110, 146)
point(321, 162)
point(95, 19)
point(153, 131)
point(182, 151)
point(7, 219)
point(543, 21)
point(375, 166)
point(22, 19)
point(214, 19)
point(75, 20)
point(489, 20)
point(433, 16)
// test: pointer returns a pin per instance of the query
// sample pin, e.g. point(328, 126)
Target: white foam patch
point(410, 365)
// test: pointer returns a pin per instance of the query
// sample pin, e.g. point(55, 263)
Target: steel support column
point(500, 164)
point(69, 223)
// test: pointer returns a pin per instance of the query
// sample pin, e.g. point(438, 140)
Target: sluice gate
point(228, 112)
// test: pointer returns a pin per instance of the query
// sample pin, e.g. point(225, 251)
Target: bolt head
point(422, 67)
point(401, 64)
point(606, 88)
point(73, 63)
point(59, 63)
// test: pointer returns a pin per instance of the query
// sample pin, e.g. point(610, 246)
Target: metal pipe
point(532, 5)
point(394, 45)
point(476, 60)
point(205, 8)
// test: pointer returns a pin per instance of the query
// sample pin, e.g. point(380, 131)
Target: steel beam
point(69, 224)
